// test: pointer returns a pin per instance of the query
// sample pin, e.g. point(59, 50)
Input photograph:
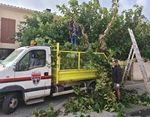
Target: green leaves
point(42, 26)
point(120, 109)
point(42, 113)
point(95, 19)
point(100, 98)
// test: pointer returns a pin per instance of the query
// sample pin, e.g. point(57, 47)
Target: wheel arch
point(13, 89)
point(91, 82)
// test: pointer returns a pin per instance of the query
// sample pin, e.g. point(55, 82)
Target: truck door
point(33, 73)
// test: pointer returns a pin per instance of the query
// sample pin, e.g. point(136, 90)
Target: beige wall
point(13, 13)
point(136, 72)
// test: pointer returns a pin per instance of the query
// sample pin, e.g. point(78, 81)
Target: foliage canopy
point(46, 26)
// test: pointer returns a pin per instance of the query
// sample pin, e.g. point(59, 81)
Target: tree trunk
point(102, 37)
point(85, 36)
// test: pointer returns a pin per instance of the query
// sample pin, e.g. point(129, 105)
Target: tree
point(92, 20)
point(42, 26)
point(102, 37)
point(119, 40)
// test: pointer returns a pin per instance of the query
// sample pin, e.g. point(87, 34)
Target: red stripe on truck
point(5, 80)
point(36, 74)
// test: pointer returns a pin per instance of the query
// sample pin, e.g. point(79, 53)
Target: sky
point(41, 5)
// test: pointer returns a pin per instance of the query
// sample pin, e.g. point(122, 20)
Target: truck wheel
point(10, 103)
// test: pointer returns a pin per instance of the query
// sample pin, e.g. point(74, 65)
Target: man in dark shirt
point(116, 77)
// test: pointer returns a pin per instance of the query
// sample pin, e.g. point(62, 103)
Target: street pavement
point(27, 110)
point(137, 85)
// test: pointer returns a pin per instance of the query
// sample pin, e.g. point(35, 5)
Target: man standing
point(73, 30)
point(116, 77)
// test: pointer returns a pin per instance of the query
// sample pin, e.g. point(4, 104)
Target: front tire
point(10, 103)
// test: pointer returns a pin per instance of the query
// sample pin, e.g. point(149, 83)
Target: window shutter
point(8, 27)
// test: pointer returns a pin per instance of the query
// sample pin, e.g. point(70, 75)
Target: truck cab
point(25, 74)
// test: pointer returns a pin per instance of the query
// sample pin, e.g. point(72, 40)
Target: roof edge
point(16, 7)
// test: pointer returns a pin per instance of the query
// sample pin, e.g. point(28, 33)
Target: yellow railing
point(76, 60)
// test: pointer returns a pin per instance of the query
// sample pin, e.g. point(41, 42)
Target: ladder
point(134, 51)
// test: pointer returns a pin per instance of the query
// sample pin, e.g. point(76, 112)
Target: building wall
point(15, 13)
point(136, 73)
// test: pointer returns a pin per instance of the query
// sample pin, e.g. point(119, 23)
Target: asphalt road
point(137, 85)
point(27, 110)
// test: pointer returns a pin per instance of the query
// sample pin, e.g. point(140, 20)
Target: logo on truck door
point(36, 77)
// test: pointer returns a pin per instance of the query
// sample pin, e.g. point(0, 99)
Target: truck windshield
point(11, 57)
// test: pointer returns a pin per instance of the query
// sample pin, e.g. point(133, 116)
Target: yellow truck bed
point(69, 66)
point(73, 75)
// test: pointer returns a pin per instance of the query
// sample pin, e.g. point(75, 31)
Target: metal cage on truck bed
point(71, 66)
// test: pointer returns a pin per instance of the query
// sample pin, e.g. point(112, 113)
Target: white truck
point(27, 75)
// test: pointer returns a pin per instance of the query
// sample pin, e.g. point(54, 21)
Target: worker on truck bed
point(73, 32)
point(116, 77)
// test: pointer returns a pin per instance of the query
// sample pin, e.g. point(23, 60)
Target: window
point(11, 57)
point(5, 52)
point(23, 65)
point(33, 59)
point(8, 27)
